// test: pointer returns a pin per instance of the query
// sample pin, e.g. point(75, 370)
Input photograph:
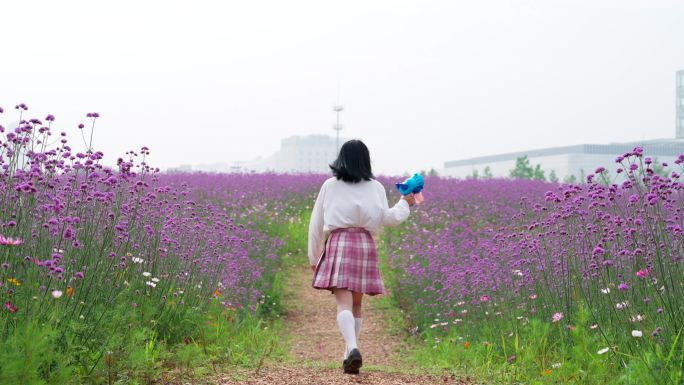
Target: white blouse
point(343, 204)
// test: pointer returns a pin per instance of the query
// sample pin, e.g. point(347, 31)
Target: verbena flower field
point(99, 264)
point(580, 283)
point(117, 274)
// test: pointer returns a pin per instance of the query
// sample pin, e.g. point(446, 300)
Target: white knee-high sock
point(345, 320)
point(357, 328)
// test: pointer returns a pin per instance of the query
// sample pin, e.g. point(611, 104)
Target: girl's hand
point(410, 199)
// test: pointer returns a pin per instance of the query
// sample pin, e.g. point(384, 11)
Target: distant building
point(298, 154)
point(312, 153)
point(567, 161)
point(680, 104)
point(579, 160)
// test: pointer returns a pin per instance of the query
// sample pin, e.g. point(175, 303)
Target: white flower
point(155, 279)
point(605, 291)
point(556, 365)
point(603, 351)
point(637, 333)
point(149, 283)
point(518, 273)
point(137, 260)
point(56, 293)
point(146, 274)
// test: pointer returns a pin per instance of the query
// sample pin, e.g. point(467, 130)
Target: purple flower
point(598, 251)
point(623, 286)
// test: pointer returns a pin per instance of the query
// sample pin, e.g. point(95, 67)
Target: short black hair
point(353, 162)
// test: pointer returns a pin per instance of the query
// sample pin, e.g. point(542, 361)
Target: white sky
point(423, 82)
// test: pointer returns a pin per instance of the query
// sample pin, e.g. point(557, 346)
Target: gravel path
point(317, 345)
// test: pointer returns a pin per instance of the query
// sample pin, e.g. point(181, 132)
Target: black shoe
point(353, 362)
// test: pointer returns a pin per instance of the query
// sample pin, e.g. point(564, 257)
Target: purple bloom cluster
point(613, 248)
point(95, 235)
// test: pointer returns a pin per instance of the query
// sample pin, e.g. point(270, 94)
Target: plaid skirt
point(349, 260)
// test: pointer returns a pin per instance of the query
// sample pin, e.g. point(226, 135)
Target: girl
point(350, 209)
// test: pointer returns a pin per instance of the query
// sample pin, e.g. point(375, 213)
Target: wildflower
point(14, 281)
point(638, 318)
point(511, 358)
point(150, 283)
point(605, 291)
point(623, 286)
point(155, 279)
point(484, 298)
point(603, 351)
point(137, 260)
point(533, 296)
point(69, 291)
point(593, 326)
point(622, 305)
point(11, 307)
point(8, 241)
point(56, 294)
point(466, 344)
point(657, 331)
point(637, 333)
point(556, 317)
point(547, 372)
point(556, 365)
point(642, 273)
point(146, 274)
point(598, 250)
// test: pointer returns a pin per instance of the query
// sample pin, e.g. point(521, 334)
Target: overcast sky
point(422, 82)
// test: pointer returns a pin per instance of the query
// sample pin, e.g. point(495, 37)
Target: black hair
point(352, 163)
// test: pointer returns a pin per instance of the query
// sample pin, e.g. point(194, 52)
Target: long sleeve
point(395, 215)
point(316, 241)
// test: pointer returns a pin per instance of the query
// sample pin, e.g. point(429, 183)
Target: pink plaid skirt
point(350, 260)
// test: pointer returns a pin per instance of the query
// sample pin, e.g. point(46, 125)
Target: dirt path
point(317, 345)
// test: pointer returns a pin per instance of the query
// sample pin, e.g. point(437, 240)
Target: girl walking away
point(350, 209)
